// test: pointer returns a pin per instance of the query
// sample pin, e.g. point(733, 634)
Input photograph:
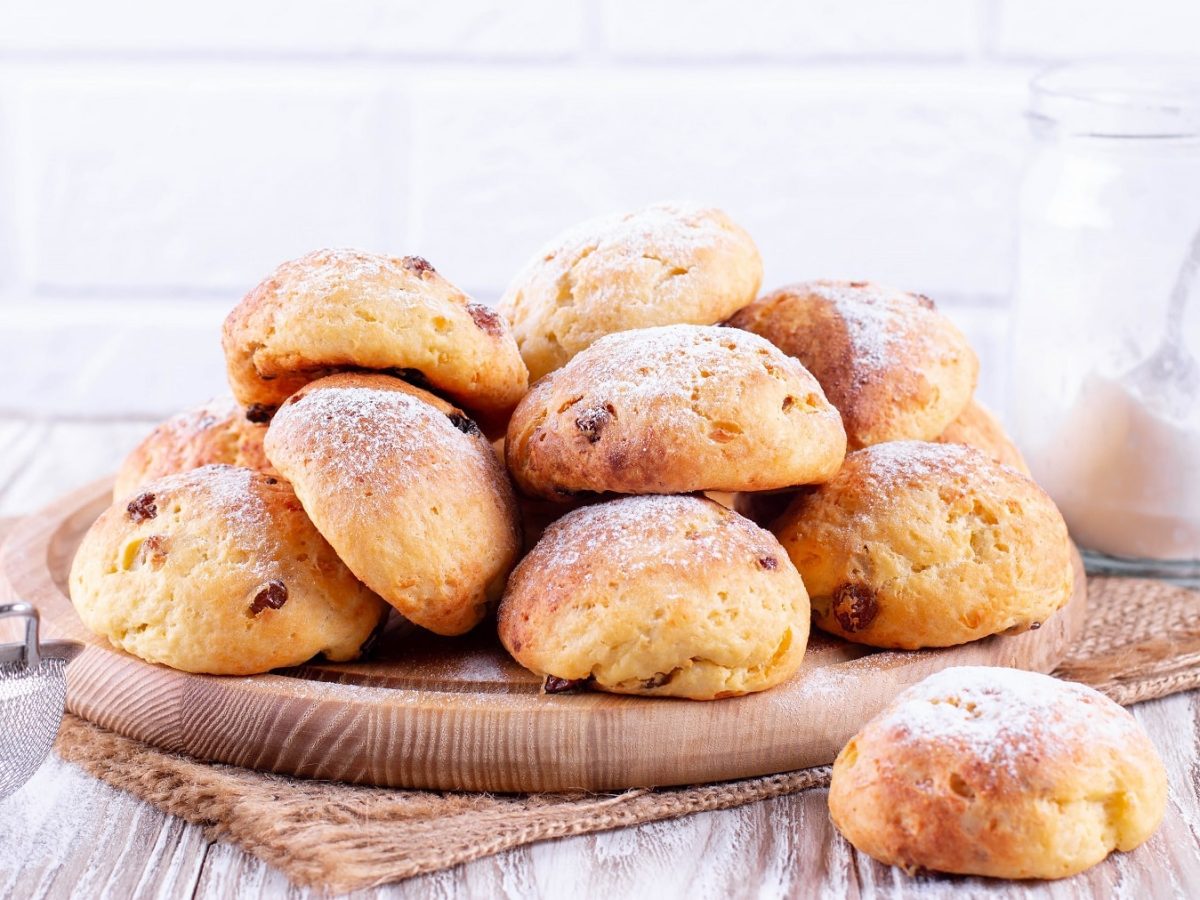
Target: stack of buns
point(699, 473)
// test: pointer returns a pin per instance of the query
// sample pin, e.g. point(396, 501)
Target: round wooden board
point(430, 712)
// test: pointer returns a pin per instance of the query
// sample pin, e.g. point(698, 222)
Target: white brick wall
point(157, 159)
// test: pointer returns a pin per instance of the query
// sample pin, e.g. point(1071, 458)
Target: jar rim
point(1119, 100)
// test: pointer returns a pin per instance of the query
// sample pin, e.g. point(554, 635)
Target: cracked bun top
point(895, 367)
point(674, 409)
point(336, 310)
point(661, 265)
point(916, 544)
point(998, 772)
point(407, 490)
point(218, 433)
point(663, 596)
point(218, 570)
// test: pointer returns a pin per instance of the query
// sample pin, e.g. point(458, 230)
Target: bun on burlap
point(674, 409)
point(661, 596)
point(335, 310)
point(894, 367)
point(998, 772)
point(218, 570)
point(217, 433)
point(661, 265)
point(407, 490)
point(915, 544)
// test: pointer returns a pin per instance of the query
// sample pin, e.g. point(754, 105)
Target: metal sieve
point(33, 691)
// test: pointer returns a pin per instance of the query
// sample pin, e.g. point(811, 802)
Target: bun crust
point(928, 545)
point(998, 772)
point(674, 409)
point(217, 433)
point(977, 427)
point(662, 265)
point(335, 310)
point(894, 367)
point(661, 596)
point(407, 490)
point(218, 570)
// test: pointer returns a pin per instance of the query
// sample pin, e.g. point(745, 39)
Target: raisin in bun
point(218, 570)
point(406, 489)
point(998, 772)
point(661, 596)
point(345, 309)
point(661, 265)
point(218, 433)
point(916, 544)
point(894, 367)
point(674, 409)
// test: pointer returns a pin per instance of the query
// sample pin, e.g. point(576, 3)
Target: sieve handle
point(33, 656)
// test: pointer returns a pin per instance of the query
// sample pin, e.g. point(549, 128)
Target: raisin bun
point(218, 433)
point(977, 427)
point(660, 596)
point(674, 409)
point(661, 265)
point(346, 309)
point(894, 367)
point(406, 489)
point(218, 570)
point(916, 544)
point(998, 772)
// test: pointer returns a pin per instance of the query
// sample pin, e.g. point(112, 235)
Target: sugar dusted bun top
point(894, 367)
point(661, 265)
point(346, 309)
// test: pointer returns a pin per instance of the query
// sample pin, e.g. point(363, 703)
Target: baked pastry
point(344, 309)
point(998, 772)
point(894, 367)
point(661, 265)
point(406, 489)
point(916, 544)
point(671, 410)
point(662, 596)
point(218, 570)
point(977, 427)
point(219, 432)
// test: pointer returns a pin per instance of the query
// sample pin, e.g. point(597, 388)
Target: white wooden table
point(67, 835)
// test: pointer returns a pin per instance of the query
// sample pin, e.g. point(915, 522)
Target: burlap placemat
point(1142, 641)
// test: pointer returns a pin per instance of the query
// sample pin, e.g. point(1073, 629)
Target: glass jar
point(1104, 361)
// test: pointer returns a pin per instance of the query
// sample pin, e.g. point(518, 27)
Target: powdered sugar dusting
point(641, 531)
point(1007, 719)
point(878, 323)
point(670, 233)
point(670, 361)
point(908, 461)
point(237, 496)
point(370, 429)
point(322, 270)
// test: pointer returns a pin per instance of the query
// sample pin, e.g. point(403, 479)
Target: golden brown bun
point(218, 570)
point(977, 427)
point(661, 265)
point(407, 490)
point(916, 544)
point(998, 772)
point(344, 309)
point(663, 596)
point(894, 367)
point(671, 410)
point(217, 433)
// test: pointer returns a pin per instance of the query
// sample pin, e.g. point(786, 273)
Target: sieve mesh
point(31, 708)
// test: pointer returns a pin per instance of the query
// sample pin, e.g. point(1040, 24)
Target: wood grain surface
point(460, 714)
point(67, 835)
